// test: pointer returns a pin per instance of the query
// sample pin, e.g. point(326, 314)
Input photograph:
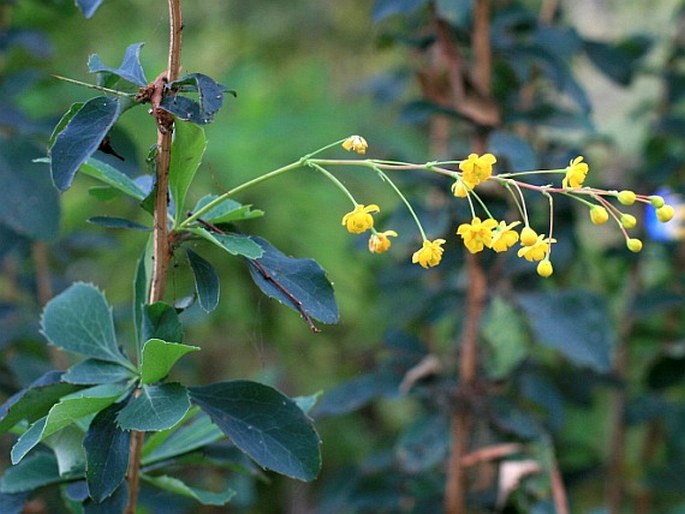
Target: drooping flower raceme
point(429, 254)
point(360, 220)
point(576, 171)
point(379, 242)
point(477, 234)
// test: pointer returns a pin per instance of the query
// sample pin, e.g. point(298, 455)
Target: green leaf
point(107, 448)
point(505, 335)
point(37, 471)
point(187, 150)
point(424, 444)
point(235, 244)
point(68, 447)
point(130, 69)
point(88, 7)
point(174, 485)
point(158, 407)
point(181, 439)
point(112, 176)
point(211, 96)
point(227, 211)
point(160, 321)
point(69, 409)
point(114, 504)
point(140, 295)
point(573, 322)
point(35, 401)
point(300, 284)
point(206, 281)
point(13, 503)
point(159, 357)
point(94, 371)
point(115, 222)
point(62, 123)
point(265, 424)
point(81, 138)
point(307, 403)
point(80, 321)
point(618, 61)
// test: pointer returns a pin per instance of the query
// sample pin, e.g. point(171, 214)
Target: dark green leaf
point(226, 211)
point(159, 357)
point(94, 371)
point(158, 407)
point(174, 485)
point(206, 281)
point(211, 96)
point(187, 150)
point(37, 471)
point(666, 372)
point(514, 149)
point(81, 138)
point(107, 448)
point(266, 425)
point(140, 297)
point(29, 203)
point(114, 504)
point(80, 321)
point(112, 176)
point(113, 222)
point(424, 443)
point(130, 69)
point(300, 284)
point(235, 244)
point(618, 62)
point(160, 321)
point(69, 409)
point(88, 7)
point(63, 122)
point(35, 401)
point(186, 438)
point(13, 503)
point(576, 323)
point(384, 8)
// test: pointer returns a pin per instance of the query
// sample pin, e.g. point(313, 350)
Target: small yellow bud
point(545, 268)
point(627, 197)
point(656, 201)
point(628, 221)
point(528, 236)
point(634, 244)
point(598, 214)
point(355, 144)
point(665, 213)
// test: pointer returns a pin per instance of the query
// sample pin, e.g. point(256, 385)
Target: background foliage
point(570, 366)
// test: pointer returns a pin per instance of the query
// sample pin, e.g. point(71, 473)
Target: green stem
point(385, 178)
point(333, 179)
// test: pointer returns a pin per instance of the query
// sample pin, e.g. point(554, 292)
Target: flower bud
point(545, 268)
point(628, 221)
point(665, 213)
point(627, 197)
point(656, 201)
point(634, 245)
point(598, 214)
point(528, 236)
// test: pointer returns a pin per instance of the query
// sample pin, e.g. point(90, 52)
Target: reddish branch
point(162, 250)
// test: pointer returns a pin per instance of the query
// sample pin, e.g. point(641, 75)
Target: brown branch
point(558, 490)
point(161, 246)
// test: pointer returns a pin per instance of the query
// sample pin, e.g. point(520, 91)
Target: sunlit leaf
point(176, 486)
point(159, 357)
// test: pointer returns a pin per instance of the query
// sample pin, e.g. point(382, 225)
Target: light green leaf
point(36, 471)
point(159, 357)
point(158, 407)
point(94, 371)
point(505, 335)
point(80, 321)
point(235, 244)
point(68, 447)
point(187, 150)
point(69, 409)
point(174, 485)
point(226, 211)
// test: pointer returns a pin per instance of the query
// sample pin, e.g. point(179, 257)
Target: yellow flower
point(503, 237)
point(528, 236)
point(360, 220)
point(665, 213)
point(628, 221)
point(545, 268)
point(355, 144)
point(379, 242)
point(538, 250)
point(627, 197)
point(477, 234)
point(477, 168)
point(460, 189)
point(598, 214)
point(429, 254)
point(576, 171)
point(634, 244)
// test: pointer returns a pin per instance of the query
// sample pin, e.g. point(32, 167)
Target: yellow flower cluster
point(474, 170)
